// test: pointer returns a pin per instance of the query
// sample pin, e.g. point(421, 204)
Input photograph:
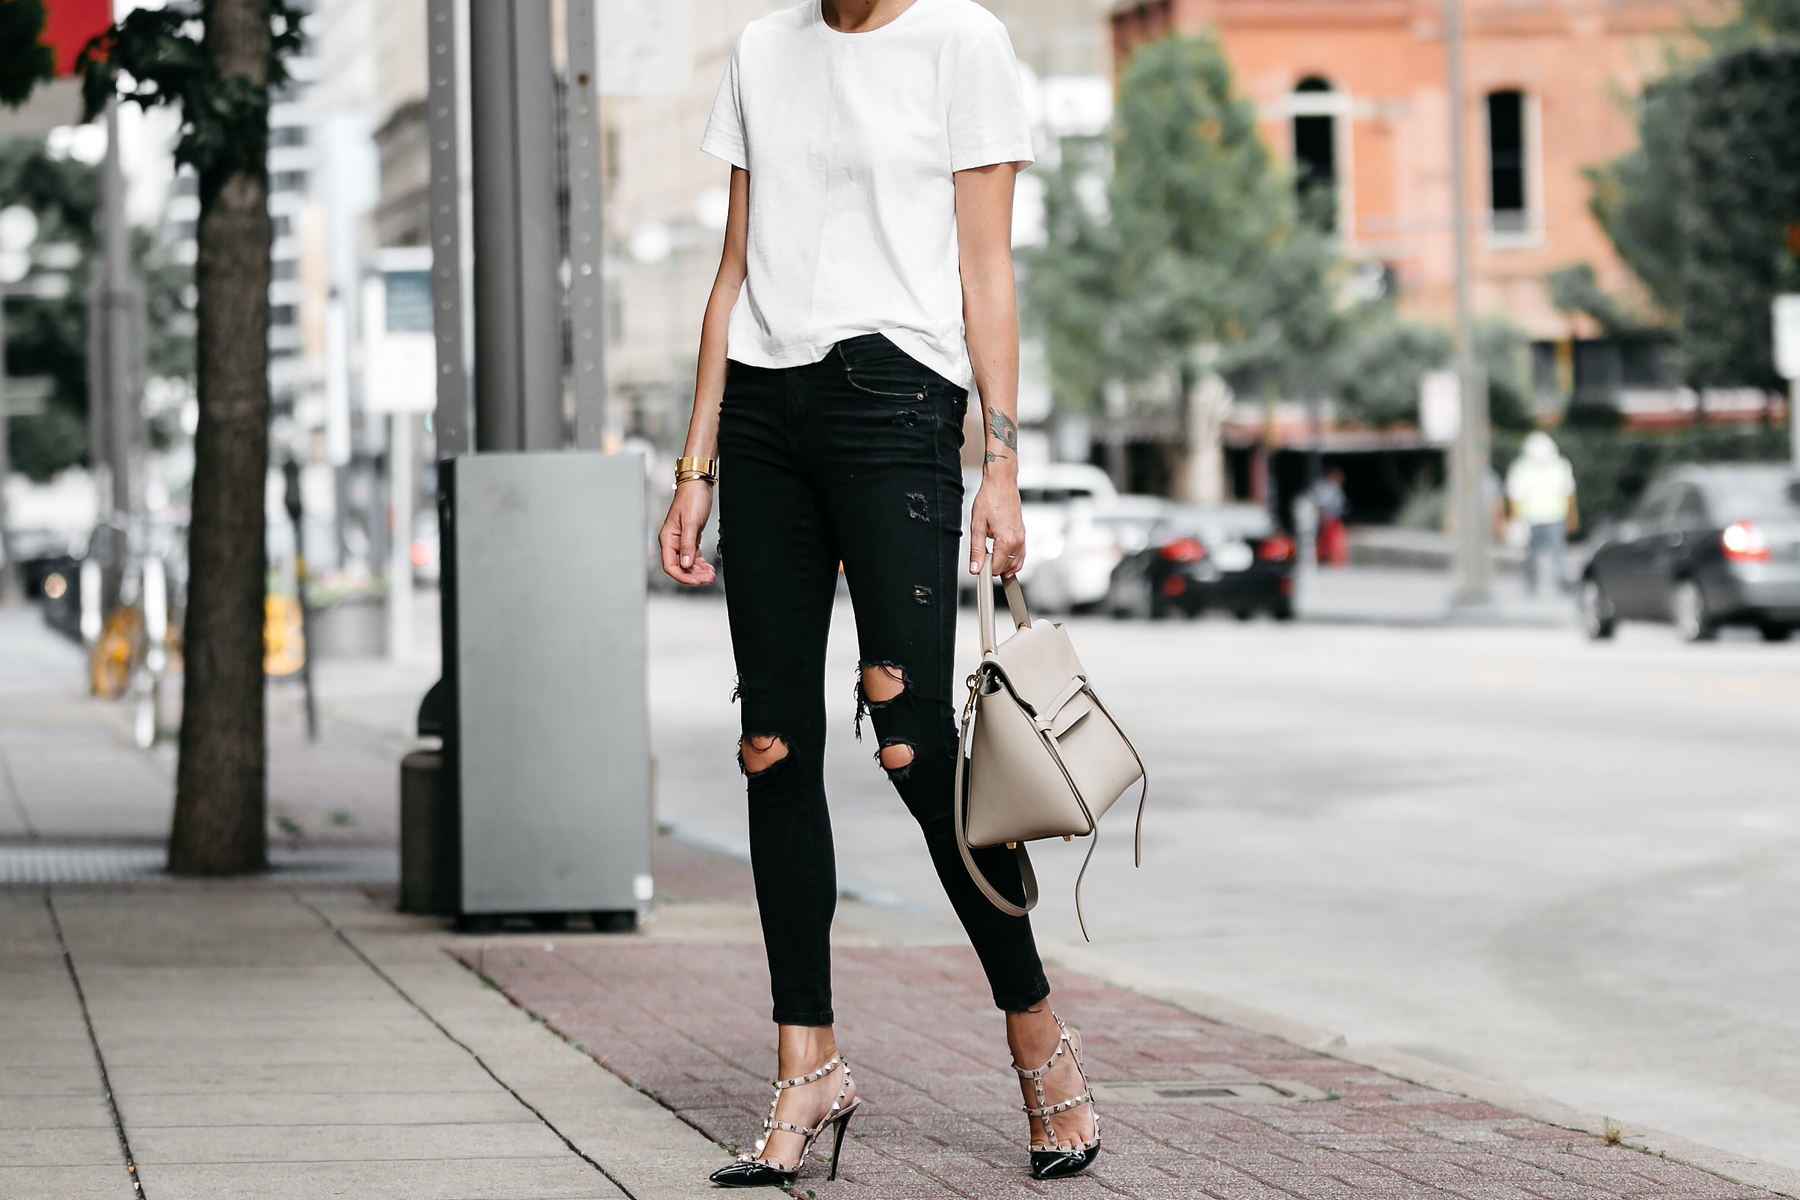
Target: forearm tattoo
point(1005, 432)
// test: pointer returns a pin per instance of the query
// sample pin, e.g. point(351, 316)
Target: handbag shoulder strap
point(1137, 846)
point(984, 603)
point(960, 820)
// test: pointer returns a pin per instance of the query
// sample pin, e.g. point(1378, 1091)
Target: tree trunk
point(1208, 405)
point(220, 794)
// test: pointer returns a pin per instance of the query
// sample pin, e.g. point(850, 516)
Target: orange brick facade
point(1575, 63)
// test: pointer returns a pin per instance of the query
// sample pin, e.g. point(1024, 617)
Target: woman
point(866, 282)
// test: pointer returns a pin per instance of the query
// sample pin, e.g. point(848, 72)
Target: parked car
point(1227, 556)
point(1083, 540)
point(1046, 493)
point(1077, 528)
point(40, 552)
point(59, 591)
point(1705, 546)
point(425, 549)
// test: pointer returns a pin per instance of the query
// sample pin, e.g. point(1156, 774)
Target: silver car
point(1706, 546)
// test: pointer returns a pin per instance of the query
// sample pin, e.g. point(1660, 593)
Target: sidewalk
point(1403, 596)
point(271, 1041)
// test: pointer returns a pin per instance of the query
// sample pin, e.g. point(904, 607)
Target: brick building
point(1353, 92)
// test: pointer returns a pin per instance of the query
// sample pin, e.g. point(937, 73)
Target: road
point(1562, 866)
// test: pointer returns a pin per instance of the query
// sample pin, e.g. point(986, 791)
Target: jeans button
point(919, 396)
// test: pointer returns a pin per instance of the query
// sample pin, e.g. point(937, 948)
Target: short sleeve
point(987, 103)
point(724, 136)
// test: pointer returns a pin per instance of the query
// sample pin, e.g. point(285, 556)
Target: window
point(1315, 154)
point(287, 135)
point(284, 268)
point(1690, 512)
point(283, 225)
point(287, 181)
point(1655, 505)
point(281, 314)
point(1507, 184)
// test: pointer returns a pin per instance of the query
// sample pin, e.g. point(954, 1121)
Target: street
point(1562, 866)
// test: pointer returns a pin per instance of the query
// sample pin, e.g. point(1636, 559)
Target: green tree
point(1648, 200)
point(1384, 361)
point(1741, 161)
point(1189, 261)
point(47, 337)
point(1754, 23)
point(218, 61)
point(1071, 285)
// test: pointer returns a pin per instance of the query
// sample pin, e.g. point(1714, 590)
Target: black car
point(1225, 556)
point(1705, 546)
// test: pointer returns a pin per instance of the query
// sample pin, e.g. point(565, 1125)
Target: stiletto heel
point(837, 1146)
point(1049, 1160)
point(752, 1170)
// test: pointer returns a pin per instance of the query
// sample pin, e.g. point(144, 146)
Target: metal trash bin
point(547, 718)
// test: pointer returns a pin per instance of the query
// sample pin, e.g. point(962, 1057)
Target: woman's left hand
point(996, 515)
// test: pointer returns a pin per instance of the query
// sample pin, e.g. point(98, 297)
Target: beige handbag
point(1040, 755)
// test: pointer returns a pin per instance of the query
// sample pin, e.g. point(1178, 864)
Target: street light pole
point(1469, 464)
point(9, 568)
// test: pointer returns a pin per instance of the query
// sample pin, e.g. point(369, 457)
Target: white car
point(1077, 528)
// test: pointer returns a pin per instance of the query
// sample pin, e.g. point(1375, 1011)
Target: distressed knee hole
point(759, 752)
point(881, 682)
point(896, 758)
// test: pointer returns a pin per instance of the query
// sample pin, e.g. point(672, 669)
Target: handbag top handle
point(984, 604)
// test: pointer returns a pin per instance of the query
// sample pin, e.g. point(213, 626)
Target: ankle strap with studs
point(831, 1064)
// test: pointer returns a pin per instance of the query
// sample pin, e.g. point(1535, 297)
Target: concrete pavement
point(259, 1040)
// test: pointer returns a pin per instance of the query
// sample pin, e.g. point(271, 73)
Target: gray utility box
point(550, 726)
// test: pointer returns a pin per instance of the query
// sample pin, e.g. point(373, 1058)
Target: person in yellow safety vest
point(1540, 489)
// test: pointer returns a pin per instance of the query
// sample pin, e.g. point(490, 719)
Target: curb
point(1737, 1168)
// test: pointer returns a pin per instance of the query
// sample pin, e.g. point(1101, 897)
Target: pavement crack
point(527, 1105)
point(87, 1020)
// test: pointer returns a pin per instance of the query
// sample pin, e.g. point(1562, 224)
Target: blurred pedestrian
point(1332, 504)
point(1540, 490)
point(866, 282)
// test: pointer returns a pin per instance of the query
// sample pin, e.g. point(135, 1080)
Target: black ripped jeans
point(852, 459)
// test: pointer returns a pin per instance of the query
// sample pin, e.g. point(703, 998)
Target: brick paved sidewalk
point(686, 1021)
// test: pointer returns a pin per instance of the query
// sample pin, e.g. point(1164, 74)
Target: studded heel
point(1049, 1159)
point(752, 1170)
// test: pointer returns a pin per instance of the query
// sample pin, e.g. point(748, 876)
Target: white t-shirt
point(850, 140)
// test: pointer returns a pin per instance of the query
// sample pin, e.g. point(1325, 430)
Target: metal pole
point(9, 567)
point(400, 501)
point(450, 423)
point(295, 504)
point(1469, 464)
point(115, 247)
point(587, 284)
point(518, 292)
point(1794, 419)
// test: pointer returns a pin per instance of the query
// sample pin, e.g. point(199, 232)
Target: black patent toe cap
point(1061, 1164)
point(751, 1174)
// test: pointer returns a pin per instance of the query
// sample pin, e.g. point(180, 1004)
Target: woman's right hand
point(680, 536)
